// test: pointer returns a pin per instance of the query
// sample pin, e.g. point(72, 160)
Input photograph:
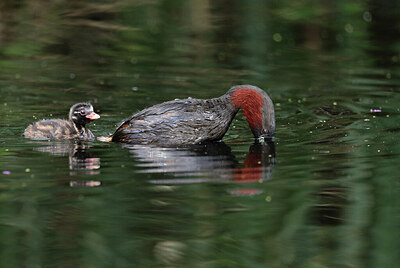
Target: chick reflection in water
point(211, 162)
point(79, 157)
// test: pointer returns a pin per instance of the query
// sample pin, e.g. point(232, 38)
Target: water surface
point(325, 194)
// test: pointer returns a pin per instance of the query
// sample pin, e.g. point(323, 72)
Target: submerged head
point(258, 110)
point(82, 114)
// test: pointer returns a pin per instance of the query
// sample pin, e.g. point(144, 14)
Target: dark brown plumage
point(80, 114)
point(193, 121)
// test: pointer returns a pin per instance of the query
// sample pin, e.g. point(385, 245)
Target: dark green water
point(328, 197)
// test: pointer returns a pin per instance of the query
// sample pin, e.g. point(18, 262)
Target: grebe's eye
point(83, 112)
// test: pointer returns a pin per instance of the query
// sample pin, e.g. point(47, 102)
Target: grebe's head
point(82, 114)
point(258, 110)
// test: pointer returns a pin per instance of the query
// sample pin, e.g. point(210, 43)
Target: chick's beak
point(93, 116)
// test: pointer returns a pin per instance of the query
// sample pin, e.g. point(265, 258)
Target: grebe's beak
point(265, 139)
point(93, 116)
point(263, 136)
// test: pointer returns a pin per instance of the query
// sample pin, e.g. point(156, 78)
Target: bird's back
point(56, 129)
point(49, 129)
point(186, 121)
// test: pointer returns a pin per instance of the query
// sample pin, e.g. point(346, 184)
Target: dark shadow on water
point(80, 159)
point(211, 162)
point(330, 206)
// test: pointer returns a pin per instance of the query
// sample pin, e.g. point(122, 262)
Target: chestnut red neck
point(251, 102)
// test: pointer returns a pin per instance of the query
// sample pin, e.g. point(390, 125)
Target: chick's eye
point(83, 112)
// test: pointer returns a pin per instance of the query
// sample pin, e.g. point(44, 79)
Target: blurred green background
point(330, 197)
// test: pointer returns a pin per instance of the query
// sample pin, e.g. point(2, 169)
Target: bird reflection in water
point(81, 161)
point(258, 167)
point(211, 162)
